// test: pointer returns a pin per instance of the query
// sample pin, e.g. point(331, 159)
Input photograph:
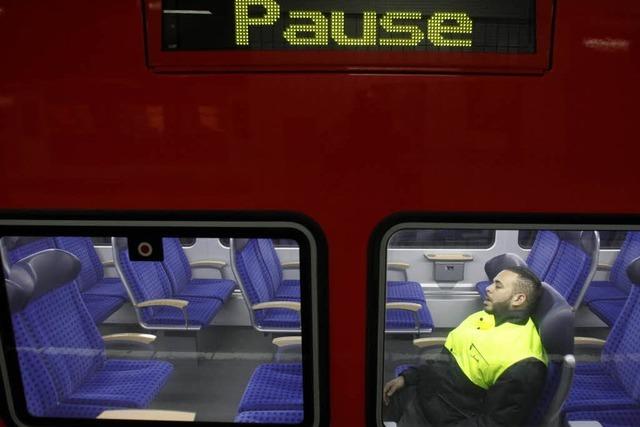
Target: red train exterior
point(86, 125)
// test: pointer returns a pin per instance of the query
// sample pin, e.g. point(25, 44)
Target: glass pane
point(463, 239)
point(82, 327)
point(466, 321)
point(609, 239)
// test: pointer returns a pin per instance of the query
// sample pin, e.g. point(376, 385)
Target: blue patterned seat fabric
point(102, 296)
point(259, 287)
point(178, 268)
point(63, 366)
point(569, 270)
point(606, 298)
point(270, 417)
point(617, 418)
point(273, 394)
point(403, 320)
point(150, 281)
point(539, 260)
point(283, 290)
point(613, 384)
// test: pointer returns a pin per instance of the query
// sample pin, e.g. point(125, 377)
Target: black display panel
point(498, 26)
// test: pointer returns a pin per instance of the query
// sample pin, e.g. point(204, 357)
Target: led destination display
point(501, 26)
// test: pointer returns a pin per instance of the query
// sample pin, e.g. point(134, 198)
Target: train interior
point(226, 316)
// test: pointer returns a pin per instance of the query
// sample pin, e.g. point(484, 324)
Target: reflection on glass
point(483, 333)
point(146, 329)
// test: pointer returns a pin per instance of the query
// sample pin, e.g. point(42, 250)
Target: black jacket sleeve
point(511, 400)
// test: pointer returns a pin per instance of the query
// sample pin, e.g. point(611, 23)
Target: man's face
point(500, 293)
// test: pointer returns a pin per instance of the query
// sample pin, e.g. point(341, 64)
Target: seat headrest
point(19, 283)
point(12, 242)
point(48, 269)
point(119, 243)
point(239, 244)
point(588, 241)
point(555, 320)
point(633, 271)
point(498, 263)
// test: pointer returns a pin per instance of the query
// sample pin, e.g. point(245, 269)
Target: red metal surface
point(85, 125)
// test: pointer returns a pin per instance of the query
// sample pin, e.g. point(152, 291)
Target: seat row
point(566, 260)
point(164, 294)
point(63, 365)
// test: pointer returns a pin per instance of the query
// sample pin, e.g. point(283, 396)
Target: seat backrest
point(15, 248)
point(63, 341)
point(542, 252)
point(571, 266)
point(271, 262)
point(144, 280)
point(554, 318)
point(251, 274)
point(91, 271)
point(629, 251)
point(498, 263)
point(176, 263)
point(619, 354)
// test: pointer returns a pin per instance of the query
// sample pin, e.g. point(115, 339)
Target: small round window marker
point(145, 249)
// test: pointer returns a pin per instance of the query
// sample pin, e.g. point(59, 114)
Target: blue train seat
point(618, 418)
point(414, 319)
point(539, 260)
point(574, 264)
point(270, 417)
point(267, 312)
point(284, 290)
point(180, 272)
point(273, 394)
point(273, 387)
point(152, 294)
point(613, 383)
point(414, 316)
point(63, 366)
point(102, 296)
point(606, 298)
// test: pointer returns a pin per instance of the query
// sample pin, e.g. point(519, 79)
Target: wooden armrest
point(108, 263)
point(208, 263)
point(588, 341)
point(281, 342)
point(604, 267)
point(177, 303)
point(291, 305)
point(291, 265)
point(130, 337)
point(448, 257)
point(411, 306)
point(146, 414)
point(398, 266)
point(429, 342)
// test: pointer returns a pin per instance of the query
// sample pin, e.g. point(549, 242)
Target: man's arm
point(511, 400)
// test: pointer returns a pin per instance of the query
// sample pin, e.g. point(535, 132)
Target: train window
point(470, 334)
point(609, 239)
point(106, 241)
point(278, 243)
point(142, 330)
point(461, 239)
